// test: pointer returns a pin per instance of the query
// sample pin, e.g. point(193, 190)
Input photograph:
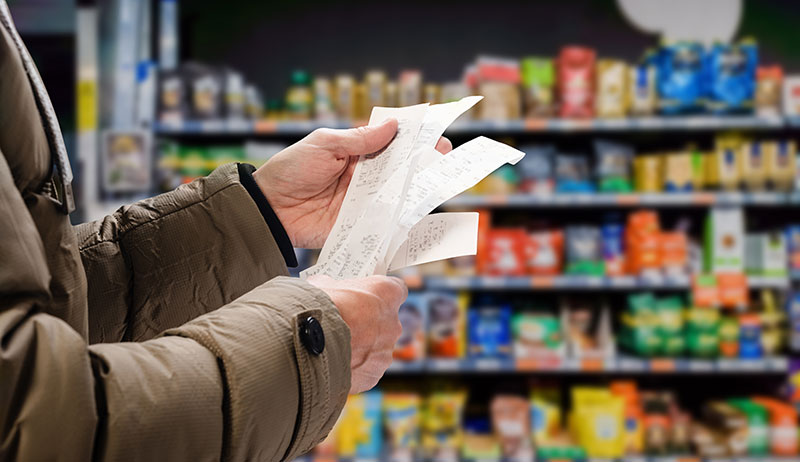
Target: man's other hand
point(369, 306)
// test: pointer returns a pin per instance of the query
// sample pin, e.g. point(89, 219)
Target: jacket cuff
point(281, 399)
point(275, 226)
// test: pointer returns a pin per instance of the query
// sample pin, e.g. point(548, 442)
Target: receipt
point(448, 176)
point(441, 116)
point(371, 173)
point(383, 223)
point(436, 237)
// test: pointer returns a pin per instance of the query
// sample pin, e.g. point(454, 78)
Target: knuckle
point(323, 132)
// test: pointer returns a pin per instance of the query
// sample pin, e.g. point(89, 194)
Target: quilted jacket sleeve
point(232, 383)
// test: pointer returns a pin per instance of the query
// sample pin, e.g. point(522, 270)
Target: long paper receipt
point(385, 222)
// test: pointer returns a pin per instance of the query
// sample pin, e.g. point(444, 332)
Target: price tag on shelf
point(662, 365)
point(265, 126)
point(592, 364)
point(526, 364)
point(703, 198)
point(540, 282)
point(497, 199)
point(535, 125)
point(627, 199)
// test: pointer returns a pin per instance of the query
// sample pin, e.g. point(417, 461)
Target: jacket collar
point(52, 130)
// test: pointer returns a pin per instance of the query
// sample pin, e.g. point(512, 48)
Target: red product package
point(506, 252)
point(544, 252)
point(575, 75)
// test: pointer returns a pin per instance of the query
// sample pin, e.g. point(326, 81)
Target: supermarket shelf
point(676, 458)
point(699, 199)
point(573, 282)
point(621, 364)
point(706, 122)
point(244, 127)
point(703, 122)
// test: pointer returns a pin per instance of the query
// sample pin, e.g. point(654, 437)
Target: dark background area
point(267, 40)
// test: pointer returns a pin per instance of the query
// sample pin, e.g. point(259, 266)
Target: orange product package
point(783, 426)
point(705, 293)
point(642, 241)
point(506, 252)
point(674, 249)
point(484, 228)
point(544, 253)
point(733, 290)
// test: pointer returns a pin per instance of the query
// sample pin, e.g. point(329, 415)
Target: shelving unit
point(511, 127)
point(682, 199)
point(575, 282)
point(617, 365)
point(686, 458)
point(704, 371)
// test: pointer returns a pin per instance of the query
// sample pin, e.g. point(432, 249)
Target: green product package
point(221, 155)
point(169, 156)
point(671, 315)
point(538, 71)
point(757, 426)
point(702, 344)
point(640, 331)
point(572, 453)
point(587, 268)
point(537, 328)
point(702, 319)
point(538, 82)
point(616, 185)
point(642, 303)
point(673, 345)
point(642, 340)
point(193, 161)
point(698, 169)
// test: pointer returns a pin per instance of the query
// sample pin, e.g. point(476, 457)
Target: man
point(153, 333)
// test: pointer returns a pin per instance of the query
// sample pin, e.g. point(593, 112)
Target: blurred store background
point(635, 293)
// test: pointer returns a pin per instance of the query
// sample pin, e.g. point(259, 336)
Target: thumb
point(367, 139)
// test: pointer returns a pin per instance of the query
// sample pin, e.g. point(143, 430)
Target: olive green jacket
point(166, 331)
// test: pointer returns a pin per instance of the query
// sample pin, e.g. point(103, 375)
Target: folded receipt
point(385, 222)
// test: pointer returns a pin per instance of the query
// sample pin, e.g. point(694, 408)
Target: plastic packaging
point(489, 327)
point(612, 166)
point(538, 81)
point(575, 74)
point(680, 78)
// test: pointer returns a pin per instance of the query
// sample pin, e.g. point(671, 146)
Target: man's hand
point(369, 306)
point(306, 182)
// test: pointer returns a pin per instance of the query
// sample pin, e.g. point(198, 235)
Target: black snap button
point(312, 336)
